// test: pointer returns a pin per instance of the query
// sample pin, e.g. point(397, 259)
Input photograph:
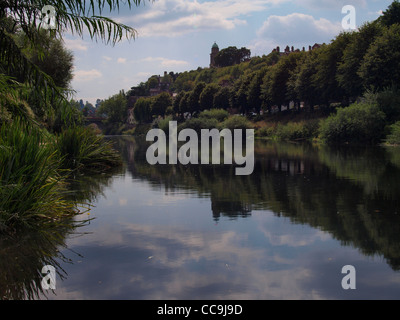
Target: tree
point(193, 101)
point(381, 65)
point(347, 71)
point(222, 98)
point(231, 55)
point(115, 107)
point(70, 15)
point(206, 99)
point(160, 104)
point(142, 110)
point(328, 59)
point(274, 89)
point(254, 90)
point(391, 15)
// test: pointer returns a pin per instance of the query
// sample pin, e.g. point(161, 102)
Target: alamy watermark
point(233, 147)
point(349, 280)
point(49, 278)
point(48, 20)
point(349, 20)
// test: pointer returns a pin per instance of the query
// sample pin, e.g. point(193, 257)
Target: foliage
point(160, 103)
point(115, 107)
point(81, 148)
point(231, 55)
point(358, 123)
point(206, 98)
point(198, 124)
point(394, 136)
point(31, 188)
point(380, 67)
point(142, 110)
point(236, 122)
point(218, 114)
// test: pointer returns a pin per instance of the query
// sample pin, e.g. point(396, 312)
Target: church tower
point(214, 52)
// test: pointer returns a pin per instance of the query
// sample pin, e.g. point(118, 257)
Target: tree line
point(338, 73)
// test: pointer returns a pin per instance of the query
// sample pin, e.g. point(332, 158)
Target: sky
point(177, 35)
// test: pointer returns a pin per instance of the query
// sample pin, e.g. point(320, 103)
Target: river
point(201, 232)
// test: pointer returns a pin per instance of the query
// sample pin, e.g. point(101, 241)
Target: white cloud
point(296, 29)
point(164, 62)
point(76, 44)
point(178, 17)
point(107, 58)
point(87, 75)
point(121, 60)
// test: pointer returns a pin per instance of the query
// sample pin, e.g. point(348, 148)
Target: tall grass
point(82, 149)
point(31, 187)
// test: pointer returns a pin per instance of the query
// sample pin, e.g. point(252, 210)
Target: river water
point(201, 232)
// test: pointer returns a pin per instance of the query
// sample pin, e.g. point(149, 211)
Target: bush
point(358, 123)
point(218, 114)
point(394, 136)
point(82, 148)
point(198, 123)
point(290, 131)
point(236, 122)
point(31, 186)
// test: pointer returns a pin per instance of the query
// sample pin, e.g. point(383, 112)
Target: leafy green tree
point(70, 15)
point(160, 104)
point(274, 88)
point(193, 101)
point(222, 98)
point(206, 99)
point(301, 82)
point(381, 65)
point(184, 105)
point(392, 14)
point(254, 90)
point(347, 71)
point(115, 108)
point(176, 102)
point(142, 110)
point(325, 80)
point(239, 98)
point(231, 55)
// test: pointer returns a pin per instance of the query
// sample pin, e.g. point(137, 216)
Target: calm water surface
point(200, 232)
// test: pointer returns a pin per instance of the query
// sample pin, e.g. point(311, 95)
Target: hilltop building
point(289, 50)
point(213, 54)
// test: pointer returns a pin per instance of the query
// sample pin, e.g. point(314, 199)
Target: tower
point(214, 52)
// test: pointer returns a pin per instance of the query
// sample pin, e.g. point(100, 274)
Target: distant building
point(213, 54)
point(288, 50)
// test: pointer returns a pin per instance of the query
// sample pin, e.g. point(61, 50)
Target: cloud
point(331, 4)
point(121, 60)
point(178, 17)
point(165, 62)
point(296, 29)
point(76, 44)
point(87, 75)
point(107, 58)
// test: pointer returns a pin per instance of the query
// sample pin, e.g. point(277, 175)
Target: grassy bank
point(35, 166)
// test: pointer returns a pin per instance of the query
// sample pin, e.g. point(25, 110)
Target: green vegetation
point(357, 66)
point(42, 140)
point(359, 123)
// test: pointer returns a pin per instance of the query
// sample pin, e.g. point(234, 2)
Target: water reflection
point(201, 232)
point(352, 193)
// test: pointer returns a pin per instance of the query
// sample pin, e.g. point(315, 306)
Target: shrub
point(236, 122)
point(394, 136)
point(31, 186)
point(218, 114)
point(198, 123)
point(358, 123)
point(82, 148)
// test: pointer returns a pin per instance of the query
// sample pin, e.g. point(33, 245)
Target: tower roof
point(215, 45)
